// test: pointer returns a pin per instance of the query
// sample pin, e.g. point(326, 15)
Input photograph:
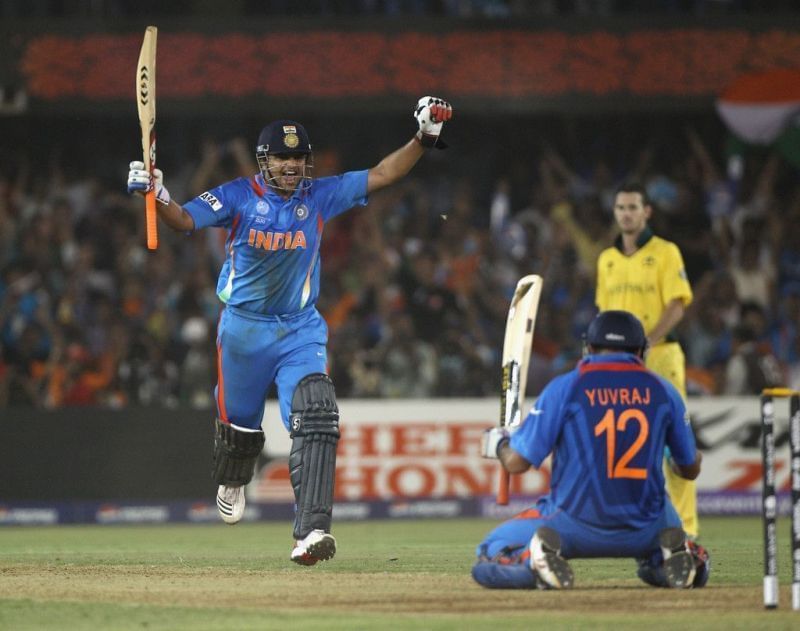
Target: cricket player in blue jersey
point(270, 330)
point(606, 424)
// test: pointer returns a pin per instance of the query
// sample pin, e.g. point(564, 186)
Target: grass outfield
point(387, 575)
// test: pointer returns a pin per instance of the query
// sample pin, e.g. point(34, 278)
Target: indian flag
point(763, 108)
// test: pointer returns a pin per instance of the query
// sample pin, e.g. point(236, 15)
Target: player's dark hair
point(634, 186)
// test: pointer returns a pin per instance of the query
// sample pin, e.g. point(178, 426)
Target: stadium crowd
point(416, 285)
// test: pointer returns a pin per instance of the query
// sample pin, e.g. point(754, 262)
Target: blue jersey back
point(606, 424)
point(272, 264)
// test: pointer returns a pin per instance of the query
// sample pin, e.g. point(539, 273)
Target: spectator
point(754, 281)
point(73, 269)
point(785, 330)
point(408, 364)
point(750, 369)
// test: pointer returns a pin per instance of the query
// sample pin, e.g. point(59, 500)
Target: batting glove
point(142, 181)
point(492, 440)
point(431, 113)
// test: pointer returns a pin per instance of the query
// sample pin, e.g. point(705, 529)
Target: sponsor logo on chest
point(272, 241)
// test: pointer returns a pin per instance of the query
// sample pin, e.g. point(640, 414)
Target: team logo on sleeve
point(212, 201)
point(301, 212)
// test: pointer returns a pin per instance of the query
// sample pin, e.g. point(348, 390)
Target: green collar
point(644, 237)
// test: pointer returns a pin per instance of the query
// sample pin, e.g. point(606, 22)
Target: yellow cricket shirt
point(643, 283)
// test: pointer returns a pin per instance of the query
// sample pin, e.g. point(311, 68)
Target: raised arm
point(711, 173)
point(431, 114)
point(394, 166)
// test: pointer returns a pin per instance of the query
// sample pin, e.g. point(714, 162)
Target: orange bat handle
point(502, 490)
point(150, 216)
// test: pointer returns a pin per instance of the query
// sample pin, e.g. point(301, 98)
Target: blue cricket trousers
point(578, 540)
point(254, 351)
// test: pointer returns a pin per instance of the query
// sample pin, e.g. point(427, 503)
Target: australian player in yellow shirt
point(645, 275)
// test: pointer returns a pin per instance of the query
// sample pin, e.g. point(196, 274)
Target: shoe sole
point(558, 565)
point(322, 550)
point(225, 510)
point(678, 567)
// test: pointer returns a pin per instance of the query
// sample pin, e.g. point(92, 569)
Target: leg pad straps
point(235, 454)
point(312, 461)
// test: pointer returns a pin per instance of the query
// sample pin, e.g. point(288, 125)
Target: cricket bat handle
point(502, 490)
point(150, 220)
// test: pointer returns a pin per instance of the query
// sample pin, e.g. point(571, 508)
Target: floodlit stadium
point(299, 304)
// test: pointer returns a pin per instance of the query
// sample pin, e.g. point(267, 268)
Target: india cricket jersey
point(270, 332)
point(272, 265)
point(606, 423)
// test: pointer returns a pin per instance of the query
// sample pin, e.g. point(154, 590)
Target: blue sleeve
point(342, 192)
point(215, 207)
point(537, 436)
point(679, 439)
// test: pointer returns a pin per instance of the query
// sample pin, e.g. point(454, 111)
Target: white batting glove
point(431, 113)
point(492, 440)
point(142, 181)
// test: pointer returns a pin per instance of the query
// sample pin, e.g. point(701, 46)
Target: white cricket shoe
point(230, 503)
point(679, 566)
point(552, 570)
point(318, 545)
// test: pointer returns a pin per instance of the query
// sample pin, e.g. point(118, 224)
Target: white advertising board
point(428, 449)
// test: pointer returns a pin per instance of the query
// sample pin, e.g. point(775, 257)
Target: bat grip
point(502, 489)
point(150, 220)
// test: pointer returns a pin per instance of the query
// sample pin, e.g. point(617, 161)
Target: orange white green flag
point(763, 108)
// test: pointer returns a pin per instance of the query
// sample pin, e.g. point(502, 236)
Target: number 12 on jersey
point(609, 425)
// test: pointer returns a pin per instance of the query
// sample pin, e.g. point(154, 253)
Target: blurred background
point(556, 103)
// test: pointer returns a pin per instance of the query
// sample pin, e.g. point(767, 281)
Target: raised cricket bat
point(516, 357)
point(146, 104)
